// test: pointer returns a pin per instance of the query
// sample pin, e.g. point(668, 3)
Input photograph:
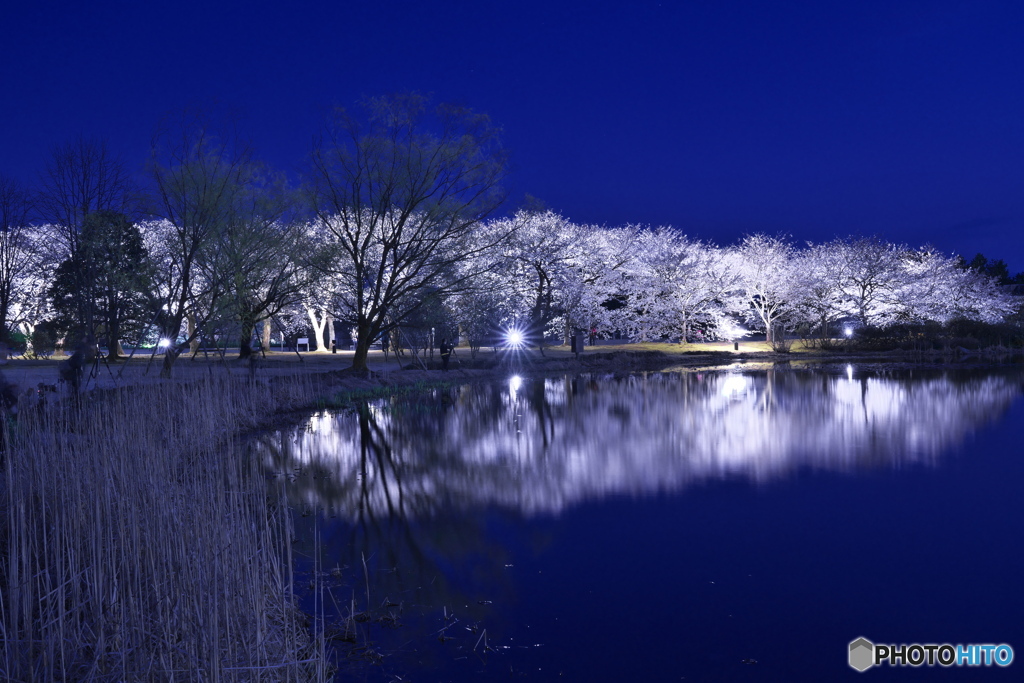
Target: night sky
point(815, 119)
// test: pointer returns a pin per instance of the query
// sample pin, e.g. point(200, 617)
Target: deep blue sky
point(812, 118)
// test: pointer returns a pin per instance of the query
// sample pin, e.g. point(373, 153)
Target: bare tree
point(401, 193)
point(258, 256)
point(83, 176)
point(16, 255)
point(201, 181)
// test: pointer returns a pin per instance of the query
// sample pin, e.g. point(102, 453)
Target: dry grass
point(140, 543)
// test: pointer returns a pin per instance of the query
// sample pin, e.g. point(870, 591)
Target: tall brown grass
point(139, 542)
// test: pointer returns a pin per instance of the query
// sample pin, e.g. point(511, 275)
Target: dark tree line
point(995, 268)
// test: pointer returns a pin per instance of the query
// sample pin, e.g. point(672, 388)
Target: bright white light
point(848, 330)
point(734, 385)
point(514, 382)
point(727, 329)
point(164, 343)
point(849, 372)
point(514, 338)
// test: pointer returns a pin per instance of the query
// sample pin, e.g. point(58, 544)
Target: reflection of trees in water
point(547, 444)
point(411, 477)
point(381, 488)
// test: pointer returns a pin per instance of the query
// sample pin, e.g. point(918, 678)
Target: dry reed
point(139, 542)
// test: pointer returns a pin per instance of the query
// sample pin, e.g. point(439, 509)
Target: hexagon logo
point(862, 654)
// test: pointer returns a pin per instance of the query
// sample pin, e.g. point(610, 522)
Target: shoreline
point(334, 374)
point(338, 389)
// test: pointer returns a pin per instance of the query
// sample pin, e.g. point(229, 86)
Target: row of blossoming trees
point(392, 231)
point(536, 271)
point(657, 283)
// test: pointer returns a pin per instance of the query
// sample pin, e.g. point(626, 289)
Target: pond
point(700, 526)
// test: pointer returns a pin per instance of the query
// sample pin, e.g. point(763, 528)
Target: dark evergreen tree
point(996, 268)
point(105, 291)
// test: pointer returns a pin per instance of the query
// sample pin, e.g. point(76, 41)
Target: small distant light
point(164, 343)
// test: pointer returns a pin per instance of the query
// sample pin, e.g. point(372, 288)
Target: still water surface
point(697, 526)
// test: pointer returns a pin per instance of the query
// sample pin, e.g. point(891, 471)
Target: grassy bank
point(139, 543)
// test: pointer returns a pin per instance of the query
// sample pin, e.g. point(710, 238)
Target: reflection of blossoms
point(553, 443)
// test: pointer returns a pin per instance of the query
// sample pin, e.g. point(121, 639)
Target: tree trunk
point(362, 350)
point(4, 306)
point(193, 346)
point(265, 337)
point(169, 357)
point(318, 328)
point(245, 342)
point(113, 337)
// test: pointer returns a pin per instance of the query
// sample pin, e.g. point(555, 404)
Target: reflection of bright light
point(734, 384)
point(164, 343)
point(849, 372)
point(514, 382)
point(321, 422)
point(514, 338)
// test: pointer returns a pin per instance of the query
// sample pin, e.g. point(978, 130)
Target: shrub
point(42, 342)
point(780, 343)
point(16, 342)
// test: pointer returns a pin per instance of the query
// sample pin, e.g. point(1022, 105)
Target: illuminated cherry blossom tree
point(766, 282)
point(674, 283)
